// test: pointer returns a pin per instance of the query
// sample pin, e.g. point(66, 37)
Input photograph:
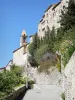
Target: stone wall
point(18, 57)
point(51, 78)
point(69, 79)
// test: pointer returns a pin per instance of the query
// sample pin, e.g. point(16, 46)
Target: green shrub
point(32, 61)
point(63, 96)
point(40, 52)
point(45, 66)
point(17, 70)
point(10, 79)
point(2, 94)
point(31, 49)
point(67, 48)
point(34, 45)
point(58, 64)
point(30, 84)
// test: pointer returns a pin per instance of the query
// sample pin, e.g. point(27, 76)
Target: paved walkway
point(43, 92)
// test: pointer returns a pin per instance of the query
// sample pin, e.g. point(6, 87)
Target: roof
point(6, 65)
point(31, 36)
point(43, 16)
point(19, 48)
point(56, 5)
point(2, 68)
point(9, 62)
point(41, 20)
point(48, 8)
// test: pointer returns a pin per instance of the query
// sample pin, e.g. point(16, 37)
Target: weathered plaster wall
point(18, 58)
point(9, 65)
point(69, 79)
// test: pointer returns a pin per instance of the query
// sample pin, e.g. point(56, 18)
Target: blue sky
point(16, 15)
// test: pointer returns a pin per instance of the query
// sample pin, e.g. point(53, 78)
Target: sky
point(15, 16)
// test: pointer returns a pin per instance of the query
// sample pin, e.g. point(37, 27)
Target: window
point(43, 29)
point(63, 7)
point(47, 21)
point(43, 22)
point(53, 14)
point(47, 14)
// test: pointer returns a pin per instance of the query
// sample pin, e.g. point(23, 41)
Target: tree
point(10, 79)
point(60, 34)
point(50, 38)
point(68, 16)
point(35, 41)
point(33, 45)
point(17, 70)
point(41, 41)
point(46, 38)
point(38, 42)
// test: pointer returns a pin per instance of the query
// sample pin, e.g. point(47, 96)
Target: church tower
point(23, 38)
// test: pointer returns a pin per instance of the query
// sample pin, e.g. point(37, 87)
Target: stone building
point(19, 53)
point(31, 38)
point(51, 17)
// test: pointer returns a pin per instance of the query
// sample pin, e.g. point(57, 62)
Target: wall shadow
point(20, 97)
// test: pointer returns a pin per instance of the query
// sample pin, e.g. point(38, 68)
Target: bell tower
point(23, 38)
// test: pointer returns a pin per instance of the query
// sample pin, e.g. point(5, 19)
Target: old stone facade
point(69, 79)
point(51, 17)
point(19, 53)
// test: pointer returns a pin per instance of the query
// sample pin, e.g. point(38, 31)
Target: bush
point(2, 94)
point(45, 66)
point(34, 45)
point(30, 84)
point(32, 61)
point(7, 82)
point(66, 45)
point(59, 63)
point(17, 70)
point(63, 96)
point(10, 79)
point(31, 49)
point(66, 48)
point(40, 52)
